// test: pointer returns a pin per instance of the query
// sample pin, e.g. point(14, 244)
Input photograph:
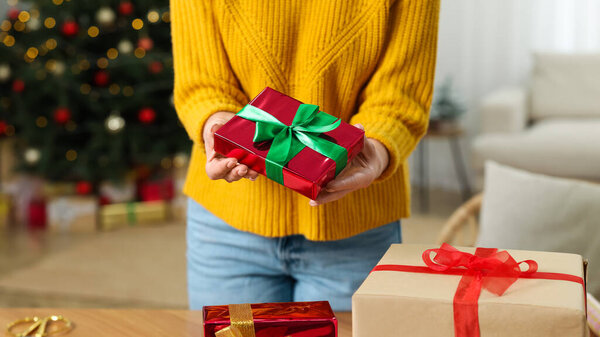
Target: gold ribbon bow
point(241, 322)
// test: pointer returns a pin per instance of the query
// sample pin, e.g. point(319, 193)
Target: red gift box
point(295, 319)
point(308, 171)
point(156, 190)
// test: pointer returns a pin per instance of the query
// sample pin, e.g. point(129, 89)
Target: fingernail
point(231, 164)
point(313, 203)
point(252, 178)
point(243, 172)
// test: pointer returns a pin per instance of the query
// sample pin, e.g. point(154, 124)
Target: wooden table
point(114, 323)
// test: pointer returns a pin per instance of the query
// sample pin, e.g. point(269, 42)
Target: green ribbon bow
point(289, 140)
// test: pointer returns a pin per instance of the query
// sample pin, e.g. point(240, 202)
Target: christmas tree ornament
point(101, 78)
point(34, 24)
point(69, 28)
point(83, 187)
point(146, 115)
point(32, 155)
point(18, 86)
point(105, 16)
point(114, 123)
point(145, 43)
point(155, 67)
point(180, 160)
point(62, 115)
point(125, 46)
point(3, 127)
point(126, 8)
point(13, 13)
point(4, 72)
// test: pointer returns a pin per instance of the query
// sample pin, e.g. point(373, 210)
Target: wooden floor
point(131, 268)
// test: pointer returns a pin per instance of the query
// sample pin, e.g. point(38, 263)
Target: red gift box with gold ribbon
point(295, 319)
point(416, 290)
point(292, 143)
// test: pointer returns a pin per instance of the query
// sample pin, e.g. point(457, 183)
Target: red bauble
point(155, 67)
point(125, 8)
point(18, 86)
point(101, 78)
point(145, 43)
point(69, 28)
point(147, 115)
point(83, 187)
point(3, 127)
point(62, 115)
point(13, 13)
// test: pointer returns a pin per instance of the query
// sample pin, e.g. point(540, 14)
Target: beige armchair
point(551, 127)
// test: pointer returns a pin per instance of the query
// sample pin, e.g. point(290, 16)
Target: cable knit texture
point(365, 61)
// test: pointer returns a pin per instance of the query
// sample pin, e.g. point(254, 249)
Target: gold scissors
point(38, 326)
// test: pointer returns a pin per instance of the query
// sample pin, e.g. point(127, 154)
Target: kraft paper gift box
point(293, 319)
point(292, 143)
point(403, 296)
point(72, 214)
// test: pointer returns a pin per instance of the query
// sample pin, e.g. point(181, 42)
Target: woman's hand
point(367, 166)
point(218, 166)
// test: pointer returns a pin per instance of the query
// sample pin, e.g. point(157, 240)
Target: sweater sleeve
point(394, 105)
point(204, 81)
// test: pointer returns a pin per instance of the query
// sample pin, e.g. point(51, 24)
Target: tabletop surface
point(136, 322)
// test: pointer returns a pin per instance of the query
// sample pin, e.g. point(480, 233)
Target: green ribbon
point(289, 140)
point(131, 218)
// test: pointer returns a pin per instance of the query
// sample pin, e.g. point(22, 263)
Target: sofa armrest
point(504, 111)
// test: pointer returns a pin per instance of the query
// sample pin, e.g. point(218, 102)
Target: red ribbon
point(488, 268)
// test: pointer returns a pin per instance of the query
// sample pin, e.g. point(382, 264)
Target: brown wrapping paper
point(115, 216)
point(72, 214)
point(391, 303)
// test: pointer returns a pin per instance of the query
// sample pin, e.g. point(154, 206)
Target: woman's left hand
point(367, 166)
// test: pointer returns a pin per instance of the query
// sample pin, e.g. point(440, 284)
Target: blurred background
point(93, 158)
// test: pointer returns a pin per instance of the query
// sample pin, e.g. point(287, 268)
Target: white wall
point(487, 44)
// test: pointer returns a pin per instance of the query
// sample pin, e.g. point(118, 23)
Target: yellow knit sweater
point(365, 61)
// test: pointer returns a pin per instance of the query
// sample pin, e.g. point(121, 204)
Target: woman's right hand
point(217, 165)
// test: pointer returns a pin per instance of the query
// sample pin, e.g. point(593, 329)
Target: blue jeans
point(226, 265)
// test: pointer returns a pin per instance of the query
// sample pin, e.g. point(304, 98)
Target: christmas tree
point(86, 87)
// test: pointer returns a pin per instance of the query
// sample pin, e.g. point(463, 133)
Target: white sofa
point(552, 127)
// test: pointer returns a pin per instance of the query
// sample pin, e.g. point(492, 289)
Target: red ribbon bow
point(488, 268)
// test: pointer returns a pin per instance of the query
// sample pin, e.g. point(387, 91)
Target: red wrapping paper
point(309, 171)
point(295, 319)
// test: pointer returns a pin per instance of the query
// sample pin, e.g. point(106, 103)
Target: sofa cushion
point(560, 147)
point(522, 210)
point(565, 85)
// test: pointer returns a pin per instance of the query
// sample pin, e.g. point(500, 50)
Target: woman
point(370, 63)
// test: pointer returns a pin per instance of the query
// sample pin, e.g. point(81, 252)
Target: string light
point(102, 63)
point(51, 65)
point(41, 122)
point(85, 88)
point(112, 53)
point(114, 89)
point(32, 52)
point(71, 155)
point(139, 52)
point(128, 91)
point(153, 16)
point(35, 13)
point(137, 24)
point(166, 17)
point(24, 16)
point(166, 163)
point(19, 26)
point(57, 2)
point(93, 31)
point(49, 22)
point(9, 40)
point(51, 44)
point(6, 25)
point(84, 64)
